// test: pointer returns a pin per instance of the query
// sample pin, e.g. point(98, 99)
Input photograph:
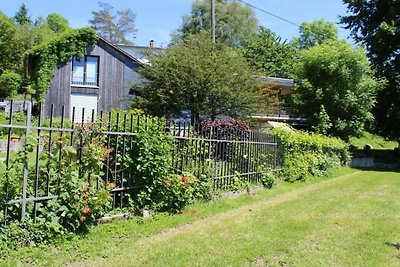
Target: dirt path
point(216, 219)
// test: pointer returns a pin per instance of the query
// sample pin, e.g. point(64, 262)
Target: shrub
point(307, 154)
point(78, 202)
point(10, 82)
point(147, 163)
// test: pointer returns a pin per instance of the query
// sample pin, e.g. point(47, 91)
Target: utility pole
point(213, 21)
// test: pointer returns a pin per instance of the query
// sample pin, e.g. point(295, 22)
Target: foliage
point(234, 22)
point(323, 123)
point(193, 76)
point(146, 162)
point(57, 23)
point(113, 27)
point(269, 178)
point(43, 59)
point(269, 54)
point(77, 204)
point(10, 47)
point(338, 77)
point(175, 193)
point(315, 33)
point(307, 154)
point(10, 83)
point(377, 142)
point(225, 129)
point(21, 17)
point(18, 118)
point(376, 25)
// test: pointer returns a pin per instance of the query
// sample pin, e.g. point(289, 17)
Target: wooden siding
point(116, 73)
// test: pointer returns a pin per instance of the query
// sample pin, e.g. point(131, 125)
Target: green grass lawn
point(377, 142)
point(350, 220)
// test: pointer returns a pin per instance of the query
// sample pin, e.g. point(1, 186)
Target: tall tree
point(315, 33)
point(114, 26)
point(57, 23)
point(21, 17)
point(376, 24)
point(234, 22)
point(191, 75)
point(11, 55)
point(10, 47)
point(269, 54)
point(338, 84)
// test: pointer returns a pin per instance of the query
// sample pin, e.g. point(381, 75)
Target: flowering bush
point(71, 170)
point(175, 192)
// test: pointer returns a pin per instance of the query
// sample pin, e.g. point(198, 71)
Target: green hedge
point(306, 154)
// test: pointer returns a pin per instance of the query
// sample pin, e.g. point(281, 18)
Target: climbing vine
point(43, 59)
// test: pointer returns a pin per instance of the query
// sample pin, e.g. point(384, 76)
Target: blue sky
point(157, 19)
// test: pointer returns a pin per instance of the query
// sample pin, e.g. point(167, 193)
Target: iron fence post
point(25, 181)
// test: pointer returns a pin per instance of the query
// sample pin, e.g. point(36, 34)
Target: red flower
point(82, 219)
point(86, 210)
point(184, 180)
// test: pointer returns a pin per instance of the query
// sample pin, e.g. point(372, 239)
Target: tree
point(338, 83)
point(315, 33)
point(234, 22)
point(266, 52)
point(10, 47)
point(21, 17)
point(114, 27)
point(10, 83)
point(193, 76)
point(376, 24)
point(57, 23)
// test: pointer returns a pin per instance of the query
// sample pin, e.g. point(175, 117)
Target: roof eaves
point(120, 50)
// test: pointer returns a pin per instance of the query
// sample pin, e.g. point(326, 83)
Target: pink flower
point(86, 210)
point(184, 180)
point(82, 219)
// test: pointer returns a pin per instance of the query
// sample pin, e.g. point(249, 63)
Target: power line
point(269, 13)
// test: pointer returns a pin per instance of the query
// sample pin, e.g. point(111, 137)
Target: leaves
point(338, 77)
point(114, 27)
point(193, 76)
point(44, 58)
point(234, 22)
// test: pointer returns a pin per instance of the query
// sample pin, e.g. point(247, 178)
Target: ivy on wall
point(43, 60)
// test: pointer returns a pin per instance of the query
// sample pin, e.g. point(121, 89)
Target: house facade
point(101, 80)
point(279, 112)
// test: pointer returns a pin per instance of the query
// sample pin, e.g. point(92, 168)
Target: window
point(85, 71)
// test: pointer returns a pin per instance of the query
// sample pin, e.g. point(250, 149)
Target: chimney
point(151, 44)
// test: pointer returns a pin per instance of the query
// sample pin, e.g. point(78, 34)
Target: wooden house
point(101, 80)
point(279, 111)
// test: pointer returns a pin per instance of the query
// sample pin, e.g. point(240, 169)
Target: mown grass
point(351, 220)
point(376, 141)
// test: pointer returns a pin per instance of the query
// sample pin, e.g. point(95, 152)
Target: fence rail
point(223, 156)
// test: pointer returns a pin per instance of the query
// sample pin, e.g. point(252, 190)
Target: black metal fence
point(223, 156)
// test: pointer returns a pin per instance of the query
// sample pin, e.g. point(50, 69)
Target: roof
point(282, 82)
point(141, 52)
point(123, 52)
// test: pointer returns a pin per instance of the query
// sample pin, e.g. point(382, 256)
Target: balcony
point(281, 113)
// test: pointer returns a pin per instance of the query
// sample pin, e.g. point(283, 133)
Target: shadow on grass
point(396, 245)
point(378, 168)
